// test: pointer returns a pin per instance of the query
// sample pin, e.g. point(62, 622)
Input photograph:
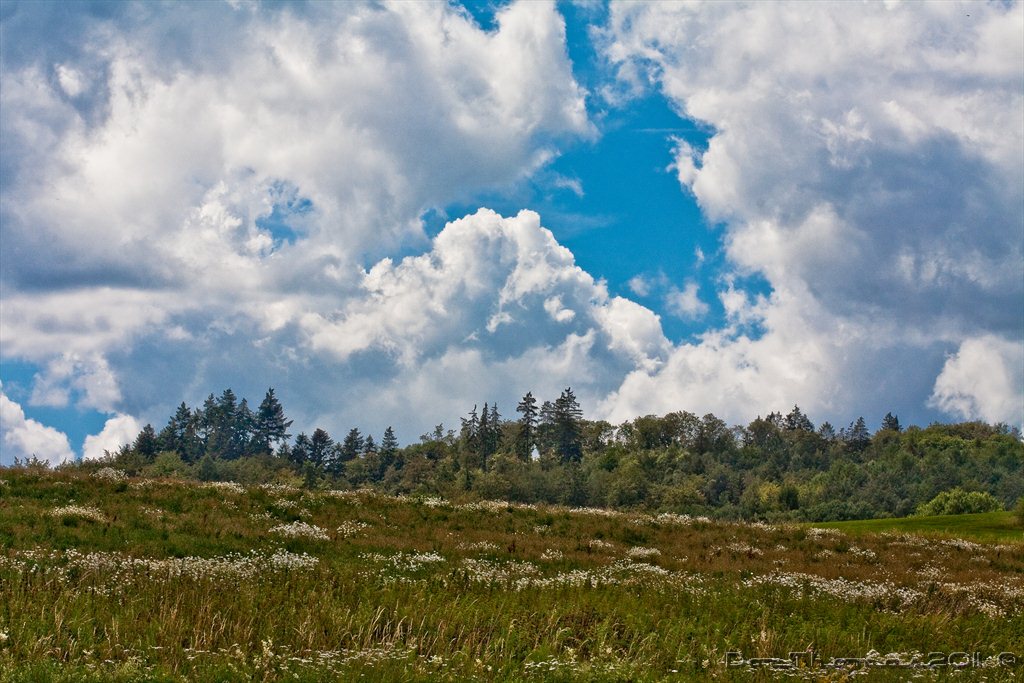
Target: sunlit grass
point(167, 580)
point(985, 526)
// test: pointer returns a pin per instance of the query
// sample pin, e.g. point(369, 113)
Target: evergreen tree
point(857, 436)
point(300, 452)
point(827, 432)
point(797, 421)
point(891, 422)
point(320, 448)
point(242, 430)
point(483, 434)
point(146, 443)
point(388, 450)
point(352, 446)
point(180, 434)
point(389, 444)
point(566, 419)
point(369, 446)
point(527, 426)
point(206, 420)
point(220, 421)
point(470, 429)
point(490, 433)
point(271, 427)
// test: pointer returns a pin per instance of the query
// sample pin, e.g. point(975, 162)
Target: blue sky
point(390, 212)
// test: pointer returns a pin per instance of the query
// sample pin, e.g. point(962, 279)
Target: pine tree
point(271, 426)
point(178, 433)
point(490, 433)
point(566, 418)
point(797, 421)
point(857, 436)
point(470, 433)
point(369, 446)
point(320, 447)
point(827, 432)
point(527, 426)
point(891, 422)
point(388, 450)
point(352, 446)
point(242, 430)
point(389, 444)
point(300, 451)
point(146, 443)
point(494, 438)
point(483, 434)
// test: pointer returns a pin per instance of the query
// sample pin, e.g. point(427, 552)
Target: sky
point(392, 211)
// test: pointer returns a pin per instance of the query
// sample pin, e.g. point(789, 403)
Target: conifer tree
point(352, 446)
point(146, 443)
point(389, 444)
point(566, 419)
point(271, 427)
point(526, 438)
point(797, 421)
point(320, 447)
point(891, 422)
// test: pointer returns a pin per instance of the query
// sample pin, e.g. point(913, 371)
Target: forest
point(778, 467)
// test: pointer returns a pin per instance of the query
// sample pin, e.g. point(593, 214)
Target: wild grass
point(984, 526)
point(174, 581)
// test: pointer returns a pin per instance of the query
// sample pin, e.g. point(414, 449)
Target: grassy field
point(104, 578)
point(988, 526)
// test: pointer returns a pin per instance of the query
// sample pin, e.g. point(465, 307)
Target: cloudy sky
point(392, 211)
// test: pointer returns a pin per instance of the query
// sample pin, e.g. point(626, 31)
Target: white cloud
point(866, 162)
point(24, 438)
point(983, 380)
point(118, 431)
point(574, 185)
point(640, 285)
point(176, 203)
point(686, 303)
point(90, 378)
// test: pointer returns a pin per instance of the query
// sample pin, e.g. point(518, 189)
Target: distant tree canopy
point(776, 467)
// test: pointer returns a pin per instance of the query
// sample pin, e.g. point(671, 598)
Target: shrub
point(959, 502)
point(1019, 511)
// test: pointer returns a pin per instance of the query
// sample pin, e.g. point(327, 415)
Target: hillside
point(105, 577)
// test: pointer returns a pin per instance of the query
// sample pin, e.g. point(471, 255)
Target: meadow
point(986, 526)
point(105, 577)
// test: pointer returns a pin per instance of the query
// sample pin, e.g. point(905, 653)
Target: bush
point(959, 502)
point(1019, 511)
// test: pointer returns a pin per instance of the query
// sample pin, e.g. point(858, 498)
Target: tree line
point(775, 467)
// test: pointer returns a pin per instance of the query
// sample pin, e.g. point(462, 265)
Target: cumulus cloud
point(686, 303)
point(495, 308)
point(172, 203)
point(118, 431)
point(865, 161)
point(983, 380)
point(24, 438)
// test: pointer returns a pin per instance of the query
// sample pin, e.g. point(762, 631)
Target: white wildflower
point(225, 486)
point(351, 528)
point(80, 511)
point(300, 530)
point(110, 474)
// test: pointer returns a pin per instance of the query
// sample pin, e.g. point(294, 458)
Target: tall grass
point(106, 579)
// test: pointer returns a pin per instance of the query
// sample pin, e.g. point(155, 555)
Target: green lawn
point(987, 526)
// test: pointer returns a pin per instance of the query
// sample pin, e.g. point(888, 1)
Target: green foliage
point(960, 502)
point(1018, 511)
point(775, 468)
